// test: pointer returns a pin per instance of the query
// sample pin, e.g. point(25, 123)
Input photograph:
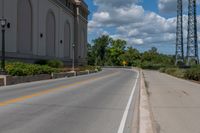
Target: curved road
point(96, 103)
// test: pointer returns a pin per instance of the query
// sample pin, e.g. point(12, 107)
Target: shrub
point(180, 73)
point(163, 69)
point(175, 72)
point(41, 62)
point(51, 63)
point(99, 68)
point(152, 66)
point(193, 73)
point(55, 63)
point(83, 68)
point(136, 63)
point(24, 69)
point(171, 71)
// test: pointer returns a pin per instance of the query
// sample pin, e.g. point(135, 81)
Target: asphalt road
point(175, 103)
point(97, 103)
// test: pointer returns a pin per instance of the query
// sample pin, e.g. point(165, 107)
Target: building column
point(2, 9)
point(76, 30)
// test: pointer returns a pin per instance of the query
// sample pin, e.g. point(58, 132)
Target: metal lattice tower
point(192, 44)
point(179, 33)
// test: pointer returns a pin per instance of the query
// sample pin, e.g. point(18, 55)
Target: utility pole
point(3, 26)
point(3, 23)
point(192, 44)
point(179, 34)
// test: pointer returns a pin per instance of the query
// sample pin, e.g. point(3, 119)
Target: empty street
point(97, 103)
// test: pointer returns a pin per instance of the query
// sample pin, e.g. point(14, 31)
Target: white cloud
point(101, 16)
point(168, 6)
point(136, 41)
point(114, 3)
point(133, 24)
point(118, 16)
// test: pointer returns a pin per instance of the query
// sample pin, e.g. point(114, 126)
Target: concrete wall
point(66, 17)
point(46, 6)
point(40, 9)
point(11, 16)
point(1, 8)
point(83, 37)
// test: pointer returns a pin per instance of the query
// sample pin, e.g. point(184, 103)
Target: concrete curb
point(13, 80)
point(145, 116)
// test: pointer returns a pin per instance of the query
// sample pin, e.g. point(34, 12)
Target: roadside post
point(3, 22)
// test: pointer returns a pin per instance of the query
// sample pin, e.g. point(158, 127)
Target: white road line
point(125, 115)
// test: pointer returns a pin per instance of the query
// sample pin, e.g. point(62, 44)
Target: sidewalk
point(175, 103)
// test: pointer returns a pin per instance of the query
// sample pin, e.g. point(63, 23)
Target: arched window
point(67, 40)
point(50, 34)
point(24, 26)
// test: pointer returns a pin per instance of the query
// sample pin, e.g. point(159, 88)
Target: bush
point(51, 63)
point(41, 62)
point(171, 71)
point(193, 73)
point(180, 73)
point(136, 63)
point(98, 68)
point(163, 69)
point(152, 66)
point(55, 63)
point(83, 68)
point(24, 69)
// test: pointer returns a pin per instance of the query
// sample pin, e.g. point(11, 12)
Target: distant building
point(45, 29)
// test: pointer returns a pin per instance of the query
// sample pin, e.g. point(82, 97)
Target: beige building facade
point(46, 29)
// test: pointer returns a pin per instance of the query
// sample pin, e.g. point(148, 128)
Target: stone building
point(45, 29)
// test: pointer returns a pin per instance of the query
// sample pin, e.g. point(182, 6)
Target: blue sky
point(142, 23)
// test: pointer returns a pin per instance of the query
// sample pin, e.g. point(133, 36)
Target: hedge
point(51, 63)
point(25, 69)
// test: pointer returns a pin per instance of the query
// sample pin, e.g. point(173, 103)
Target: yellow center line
point(40, 93)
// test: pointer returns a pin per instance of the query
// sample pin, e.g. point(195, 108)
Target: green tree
point(150, 55)
point(91, 55)
point(99, 49)
point(108, 51)
point(116, 50)
point(132, 56)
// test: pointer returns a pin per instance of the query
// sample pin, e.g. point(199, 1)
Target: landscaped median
point(20, 72)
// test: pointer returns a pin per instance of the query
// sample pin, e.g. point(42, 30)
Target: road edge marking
point(125, 114)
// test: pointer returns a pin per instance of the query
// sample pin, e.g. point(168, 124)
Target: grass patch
point(192, 73)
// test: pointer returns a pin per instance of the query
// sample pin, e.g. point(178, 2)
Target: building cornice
point(63, 6)
point(82, 5)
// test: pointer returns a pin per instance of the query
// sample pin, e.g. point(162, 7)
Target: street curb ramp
point(145, 115)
